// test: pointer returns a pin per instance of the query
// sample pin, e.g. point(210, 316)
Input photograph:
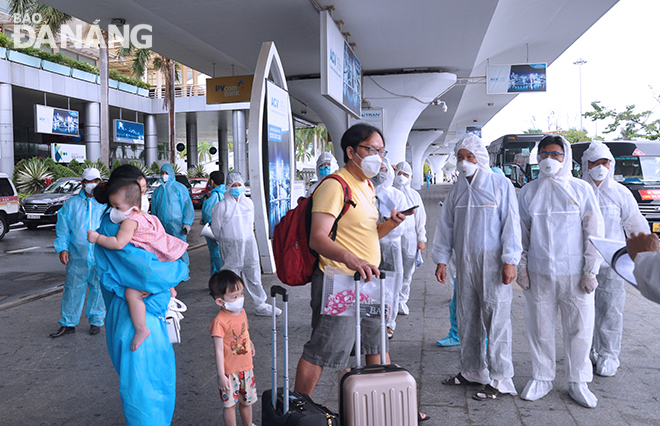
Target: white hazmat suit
point(558, 214)
point(414, 232)
point(480, 222)
point(620, 213)
point(647, 274)
point(232, 224)
point(387, 199)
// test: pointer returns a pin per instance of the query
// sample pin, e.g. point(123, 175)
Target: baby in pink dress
point(146, 232)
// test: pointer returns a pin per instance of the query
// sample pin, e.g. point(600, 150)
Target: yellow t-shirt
point(356, 230)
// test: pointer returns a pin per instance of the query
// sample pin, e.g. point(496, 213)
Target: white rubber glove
point(186, 229)
point(589, 283)
point(523, 279)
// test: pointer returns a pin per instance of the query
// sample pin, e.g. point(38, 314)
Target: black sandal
point(458, 380)
point(488, 392)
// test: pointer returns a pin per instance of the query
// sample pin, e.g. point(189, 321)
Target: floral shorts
point(242, 389)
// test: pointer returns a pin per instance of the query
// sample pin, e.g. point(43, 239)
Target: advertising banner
point(372, 116)
point(519, 78)
point(279, 143)
point(56, 121)
point(341, 72)
point(127, 131)
point(64, 153)
point(229, 89)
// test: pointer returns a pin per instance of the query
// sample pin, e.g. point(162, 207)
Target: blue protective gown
point(79, 214)
point(217, 194)
point(172, 204)
point(147, 376)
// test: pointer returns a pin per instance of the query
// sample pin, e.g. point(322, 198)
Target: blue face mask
point(236, 192)
point(324, 171)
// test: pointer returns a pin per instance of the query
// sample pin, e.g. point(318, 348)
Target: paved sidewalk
point(70, 380)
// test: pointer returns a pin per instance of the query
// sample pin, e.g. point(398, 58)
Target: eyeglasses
point(372, 151)
point(554, 155)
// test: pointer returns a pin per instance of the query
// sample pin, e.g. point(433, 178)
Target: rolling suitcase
point(284, 408)
point(376, 395)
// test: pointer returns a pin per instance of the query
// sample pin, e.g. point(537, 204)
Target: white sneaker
point(403, 309)
point(582, 395)
point(536, 389)
point(266, 310)
point(607, 366)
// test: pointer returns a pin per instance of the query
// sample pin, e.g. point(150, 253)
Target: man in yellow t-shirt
point(356, 248)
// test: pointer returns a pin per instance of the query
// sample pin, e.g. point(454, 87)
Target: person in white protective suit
point(326, 164)
point(232, 225)
point(644, 249)
point(558, 270)
point(414, 232)
point(480, 222)
point(620, 214)
point(387, 199)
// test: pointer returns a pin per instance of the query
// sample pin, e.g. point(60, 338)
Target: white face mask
point(89, 187)
point(599, 173)
point(370, 165)
point(235, 306)
point(144, 205)
point(401, 180)
point(118, 216)
point(165, 177)
point(467, 168)
point(549, 167)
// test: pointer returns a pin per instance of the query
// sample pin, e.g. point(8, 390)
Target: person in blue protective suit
point(216, 181)
point(172, 204)
point(147, 376)
point(79, 214)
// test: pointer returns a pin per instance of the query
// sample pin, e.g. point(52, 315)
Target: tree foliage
point(532, 131)
point(574, 135)
point(629, 123)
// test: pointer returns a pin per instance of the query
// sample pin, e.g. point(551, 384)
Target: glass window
point(5, 188)
point(62, 187)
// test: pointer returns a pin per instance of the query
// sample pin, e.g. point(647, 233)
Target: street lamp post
point(579, 63)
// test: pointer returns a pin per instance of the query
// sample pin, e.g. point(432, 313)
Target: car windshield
point(153, 183)
point(63, 187)
point(643, 169)
point(198, 183)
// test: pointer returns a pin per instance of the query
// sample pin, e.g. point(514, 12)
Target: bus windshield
point(642, 169)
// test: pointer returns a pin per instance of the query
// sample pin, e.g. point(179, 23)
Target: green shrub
point(77, 167)
point(155, 168)
point(102, 168)
point(197, 171)
point(145, 171)
point(31, 176)
point(115, 164)
point(58, 170)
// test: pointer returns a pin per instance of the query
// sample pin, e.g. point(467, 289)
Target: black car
point(41, 209)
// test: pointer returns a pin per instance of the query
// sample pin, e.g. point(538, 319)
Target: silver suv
point(42, 208)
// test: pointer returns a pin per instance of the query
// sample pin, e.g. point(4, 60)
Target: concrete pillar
point(240, 144)
point(150, 140)
point(420, 142)
point(191, 139)
point(93, 130)
point(6, 130)
point(223, 151)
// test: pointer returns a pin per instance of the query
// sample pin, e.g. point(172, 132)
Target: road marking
point(21, 250)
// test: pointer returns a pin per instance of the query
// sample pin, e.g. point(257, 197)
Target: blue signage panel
point(128, 132)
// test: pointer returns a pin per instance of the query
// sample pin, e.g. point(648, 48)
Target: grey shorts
point(333, 337)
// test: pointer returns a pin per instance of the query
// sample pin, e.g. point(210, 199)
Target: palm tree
point(305, 143)
point(203, 151)
point(140, 62)
point(49, 16)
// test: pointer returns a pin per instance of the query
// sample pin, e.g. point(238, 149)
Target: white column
point(93, 130)
point(150, 140)
point(6, 130)
point(420, 142)
point(240, 145)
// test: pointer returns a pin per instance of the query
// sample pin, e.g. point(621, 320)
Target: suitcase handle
point(274, 291)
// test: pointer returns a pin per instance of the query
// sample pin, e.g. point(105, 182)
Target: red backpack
point(294, 260)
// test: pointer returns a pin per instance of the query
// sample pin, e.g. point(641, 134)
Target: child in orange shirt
point(233, 347)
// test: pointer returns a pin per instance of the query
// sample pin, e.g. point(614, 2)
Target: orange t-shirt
point(236, 340)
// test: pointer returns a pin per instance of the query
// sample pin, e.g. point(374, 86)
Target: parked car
point(41, 209)
point(200, 191)
point(9, 205)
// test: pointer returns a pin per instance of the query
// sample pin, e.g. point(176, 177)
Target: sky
point(623, 68)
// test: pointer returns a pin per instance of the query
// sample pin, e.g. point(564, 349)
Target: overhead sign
point(517, 78)
point(64, 153)
point(229, 89)
point(56, 121)
point(341, 72)
point(127, 131)
point(372, 116)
